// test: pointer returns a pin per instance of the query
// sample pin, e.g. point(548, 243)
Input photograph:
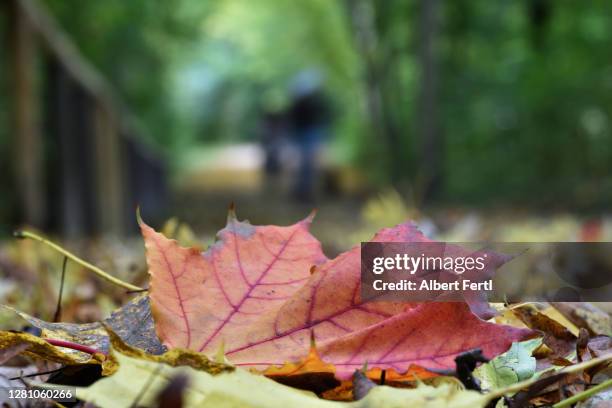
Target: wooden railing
point(80, 164)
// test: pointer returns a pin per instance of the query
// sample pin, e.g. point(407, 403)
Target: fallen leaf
point(600, 345)
point(343, 392)
point(310, 373)
point(583, 352)
point(6, 353)
point(554, 314)
point(87, 334)
point(313, 374)
point(586, 315)
point(41, 349)
point(132, 322)
point(410, 379)
point(361, 385)
point(517, 364)
point(602, 399)
point(139, 382)
point(200, 299)
point(538, 389)
point(175, 357)
point(254, 293)
point(556, 336)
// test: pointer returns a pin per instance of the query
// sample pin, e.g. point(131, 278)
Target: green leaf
point(517, 364)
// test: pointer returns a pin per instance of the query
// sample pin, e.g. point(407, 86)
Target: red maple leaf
point(261, 291)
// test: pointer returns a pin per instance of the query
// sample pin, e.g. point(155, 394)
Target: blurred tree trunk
point(26, 138)
point(429, 136)
point(362, 15)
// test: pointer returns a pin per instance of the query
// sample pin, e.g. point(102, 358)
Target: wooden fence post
point(90, 166)
point(26, 137)
point(108, 171)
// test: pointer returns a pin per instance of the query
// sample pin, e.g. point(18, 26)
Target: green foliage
point(526, 103)
point(523, 97)
point(137, 46)
point(249, 55)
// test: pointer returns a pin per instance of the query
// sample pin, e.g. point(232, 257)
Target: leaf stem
point(58, 308)
point(57, 370)
point(85, 264)
point(584, 394)
point(74, 346)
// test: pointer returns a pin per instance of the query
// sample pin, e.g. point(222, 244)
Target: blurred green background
point(458, 103)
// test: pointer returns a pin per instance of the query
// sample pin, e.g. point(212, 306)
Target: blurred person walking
point(310, 120)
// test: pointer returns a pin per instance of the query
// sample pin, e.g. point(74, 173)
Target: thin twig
point(57, 370)
point(74, 346)
point(58, 308)
point(129, 292)
point(583, 395)
point(94, 269)
point(571, 369)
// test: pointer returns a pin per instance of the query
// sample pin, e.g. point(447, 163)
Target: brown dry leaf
point(175, 357)
point(11, 351)
point(583, 352)
point(586, 315)
point(311, 373)
point(41, 349)
point(600, 345)
point(506, 316)
point(554, 314)
point(414, 376)
point(556, 336)
point(87, 334)
point(343, 392)
point(132, 322)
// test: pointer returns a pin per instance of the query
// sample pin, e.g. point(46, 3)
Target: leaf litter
point(263, 318)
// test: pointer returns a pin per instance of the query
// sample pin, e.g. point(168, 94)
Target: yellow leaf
point(175, 357)
point(41, 349)
point(141, 381)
